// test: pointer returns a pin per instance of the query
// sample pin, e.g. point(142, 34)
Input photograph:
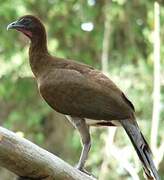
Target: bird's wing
point(85, 92)
point(98, 77)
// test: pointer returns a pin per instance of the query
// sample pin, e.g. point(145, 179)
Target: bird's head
point(28, 25)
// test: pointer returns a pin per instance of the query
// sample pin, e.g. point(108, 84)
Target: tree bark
point(29, 160)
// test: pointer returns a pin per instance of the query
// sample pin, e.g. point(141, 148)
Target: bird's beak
point(15, 25)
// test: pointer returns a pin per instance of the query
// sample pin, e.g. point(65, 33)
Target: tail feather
point(141, 147)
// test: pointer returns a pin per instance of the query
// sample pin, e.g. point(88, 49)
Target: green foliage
point(130, 62)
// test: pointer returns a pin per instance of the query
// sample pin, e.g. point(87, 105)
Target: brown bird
point(81, 92)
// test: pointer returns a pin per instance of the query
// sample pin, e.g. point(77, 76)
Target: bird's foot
point(83, 170)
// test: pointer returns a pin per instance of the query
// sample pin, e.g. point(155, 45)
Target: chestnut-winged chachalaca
point(81, 92)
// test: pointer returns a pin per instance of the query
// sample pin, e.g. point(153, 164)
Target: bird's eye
point(25, 21)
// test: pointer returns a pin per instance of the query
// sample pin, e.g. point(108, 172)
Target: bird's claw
point(83, 170)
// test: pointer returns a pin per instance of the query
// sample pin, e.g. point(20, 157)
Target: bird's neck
point(37, 54)
point(38, 44)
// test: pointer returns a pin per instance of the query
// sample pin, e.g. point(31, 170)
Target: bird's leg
point(83, 129)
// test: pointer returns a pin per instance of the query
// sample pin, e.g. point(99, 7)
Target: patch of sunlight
point(17, 60)
point(20, 134)
point(22, 9)
point(53, 45)
point(149, 35)
point(91, 2)
point(87, 26)
point(139, 22)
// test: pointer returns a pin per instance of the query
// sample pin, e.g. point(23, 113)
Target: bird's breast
point(59, 95)
point(52, 95)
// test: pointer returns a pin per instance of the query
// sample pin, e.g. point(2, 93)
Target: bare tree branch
point(29, 160)
point(156, 89)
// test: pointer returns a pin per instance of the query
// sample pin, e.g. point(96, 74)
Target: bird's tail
point(141, 147)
